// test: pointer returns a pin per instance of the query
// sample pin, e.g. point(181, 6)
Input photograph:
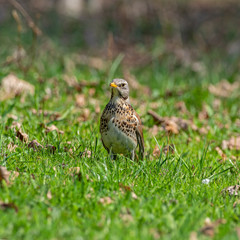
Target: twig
point(156, 117)
point(29, 20)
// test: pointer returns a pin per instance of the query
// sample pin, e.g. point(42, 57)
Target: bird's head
point(119, 88)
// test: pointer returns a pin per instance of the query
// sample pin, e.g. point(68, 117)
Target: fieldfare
point(120, 125)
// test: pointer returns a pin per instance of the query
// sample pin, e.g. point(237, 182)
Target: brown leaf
point(75, 171)
point(169, 149)
point(216, 104)
point(221, 153)
point(34, 111)
point(154, 130)
point(203, 115)
point(166, 149)
point(11, 147)
point(84, 115)
point(154, 105)
point(88, 196)
point(105, 200)
point(35, 145)
point(22, 136)
point(224, 88)
point(5, 206)
point(224, 144)
point(209, 227)
point(13, 175)
point(45, 113)
point(4, 174)
point(53, 128)
point(189, 140)
point(126, 216)
point(51, 148)
point(233, 143)
point(238, 232)
point(18, 54)
point(232, 190)
point(172, 124)
point(91, 92)
point(236, 203)
point(12, 86)
point(193, 236)
point(87, 153)
point(198, 67)
point(171, 127)
point(173, 93)
point(156, 117)
point(49, 195)
point(67, 147)
point(80, 100)
point(156, 151)
point(198, 139)
point(233, 158)
point(15, 125)
point(94, 102)
point(70, 80)
point(222, 125)
point(12, 116)
point(237, 123)
point(134, 195)
point(203, 131)
point(180, 106)
point(125, 187)
point(193, 126)
point(97, 109)
point(48, 94)
point(7, 176)
point(155, 233)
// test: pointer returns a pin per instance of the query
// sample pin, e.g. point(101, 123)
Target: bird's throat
point(116, 97)
point(118, 100)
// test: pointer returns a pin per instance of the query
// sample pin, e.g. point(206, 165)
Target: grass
point(160, 197)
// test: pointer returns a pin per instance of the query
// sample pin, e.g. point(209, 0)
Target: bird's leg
point(112, 155)
point(132, 155)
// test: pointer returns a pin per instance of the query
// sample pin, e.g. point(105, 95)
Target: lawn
point(63, 185)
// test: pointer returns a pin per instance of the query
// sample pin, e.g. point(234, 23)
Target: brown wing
point(139, 134)
point(106, 116)
point(104, 145)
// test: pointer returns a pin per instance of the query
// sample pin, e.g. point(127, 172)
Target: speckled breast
point(118, 128)
point(117, 139)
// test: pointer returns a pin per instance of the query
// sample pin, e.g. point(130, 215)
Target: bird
point(120, 125)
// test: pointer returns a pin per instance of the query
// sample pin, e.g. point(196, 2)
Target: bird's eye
point(122, 85)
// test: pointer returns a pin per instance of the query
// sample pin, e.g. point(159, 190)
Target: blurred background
point(181, 59)
point(185, 29)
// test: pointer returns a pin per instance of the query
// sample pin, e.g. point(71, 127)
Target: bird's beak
point(113, 85)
